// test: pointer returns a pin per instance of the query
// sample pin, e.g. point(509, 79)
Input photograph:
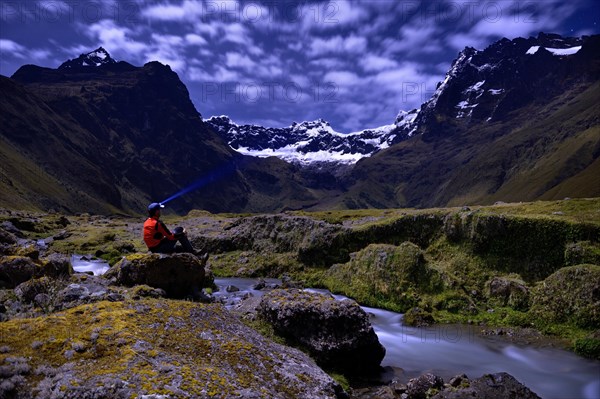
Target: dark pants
point(169, 246)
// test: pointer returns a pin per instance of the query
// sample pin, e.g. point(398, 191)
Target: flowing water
point(448, 350)
point(82, 264)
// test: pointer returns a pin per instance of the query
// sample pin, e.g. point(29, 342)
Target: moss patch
point(159, 347)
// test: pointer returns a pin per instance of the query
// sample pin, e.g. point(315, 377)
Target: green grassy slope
point(541, 151)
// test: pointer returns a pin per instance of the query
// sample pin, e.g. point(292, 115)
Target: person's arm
point(162, 228)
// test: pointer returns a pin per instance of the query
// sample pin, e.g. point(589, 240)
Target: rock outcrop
point(179, 275)
point(338, 334)
point(153, 348)
point(15, 270)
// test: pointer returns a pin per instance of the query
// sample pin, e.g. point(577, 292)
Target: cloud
point(219, 75)
point(337, 44)
point(187, 11)
point(195, 40)
point(236, 60)
point(374, 63)
point(13, 48)
point(342, 78)
point(490, 21)
point(115, 38)
point(329, 15)
point(414, 38)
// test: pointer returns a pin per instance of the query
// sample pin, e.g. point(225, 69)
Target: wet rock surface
point(338, 334)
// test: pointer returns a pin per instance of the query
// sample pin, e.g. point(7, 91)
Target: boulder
point(571, 294)
point(422, 386)
point(511, 292)
point(490, 386)
point(7, 242)
point(28, 290)
point(179, 275)
point(56, 266)
point(338, 334)
point(15, 270)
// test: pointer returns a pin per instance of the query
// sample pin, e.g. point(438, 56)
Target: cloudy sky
point(353, 63)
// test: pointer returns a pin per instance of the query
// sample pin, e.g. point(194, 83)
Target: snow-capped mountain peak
point(305, 143)
point(96, 58)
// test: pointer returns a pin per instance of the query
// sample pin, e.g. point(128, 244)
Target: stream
point(446, 350)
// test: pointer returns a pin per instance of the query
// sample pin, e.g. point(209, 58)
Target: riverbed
point(448, 350)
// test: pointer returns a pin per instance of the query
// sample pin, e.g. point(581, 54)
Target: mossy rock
point(28, 290)
point(417, 317)
point(571, 294)
point(582, 252)
point(145, 291)
point(384, 273)
point(588, 347)
point(508, 291)
point(452, 301)
point(15, 270)
point(338, 334)
point(153, 348)
point(179, 275)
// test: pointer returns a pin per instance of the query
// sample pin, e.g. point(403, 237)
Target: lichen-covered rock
point(424, 386)
point(145, 291)
point(179, 275)
point(55, 266)
point(384, 272)
point(28, 290)
point(338, 334)
point(154, 348)
point(571, 294)
point(511, 292)
point(490, 386)
point(15, 270)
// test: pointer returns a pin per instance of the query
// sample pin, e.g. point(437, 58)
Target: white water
point(448, 350)
point(82, 264)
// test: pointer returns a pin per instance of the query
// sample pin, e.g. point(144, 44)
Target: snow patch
point(555, 51)
point(290, 153)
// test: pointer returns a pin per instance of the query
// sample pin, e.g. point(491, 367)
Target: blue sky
point(355, 64)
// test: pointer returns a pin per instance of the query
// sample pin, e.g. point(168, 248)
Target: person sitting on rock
point(158, 238)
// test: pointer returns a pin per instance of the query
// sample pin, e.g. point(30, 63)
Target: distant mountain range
point(516, 121)
point(305, 142)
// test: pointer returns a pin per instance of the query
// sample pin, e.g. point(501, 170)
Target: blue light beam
point(212, 176)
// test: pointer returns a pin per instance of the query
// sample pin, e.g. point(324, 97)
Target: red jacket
point(155, 231)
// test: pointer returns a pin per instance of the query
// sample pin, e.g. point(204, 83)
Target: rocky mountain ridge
point(303, 143)
point(515, 121)
point(94, 58)
point(512, 122)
